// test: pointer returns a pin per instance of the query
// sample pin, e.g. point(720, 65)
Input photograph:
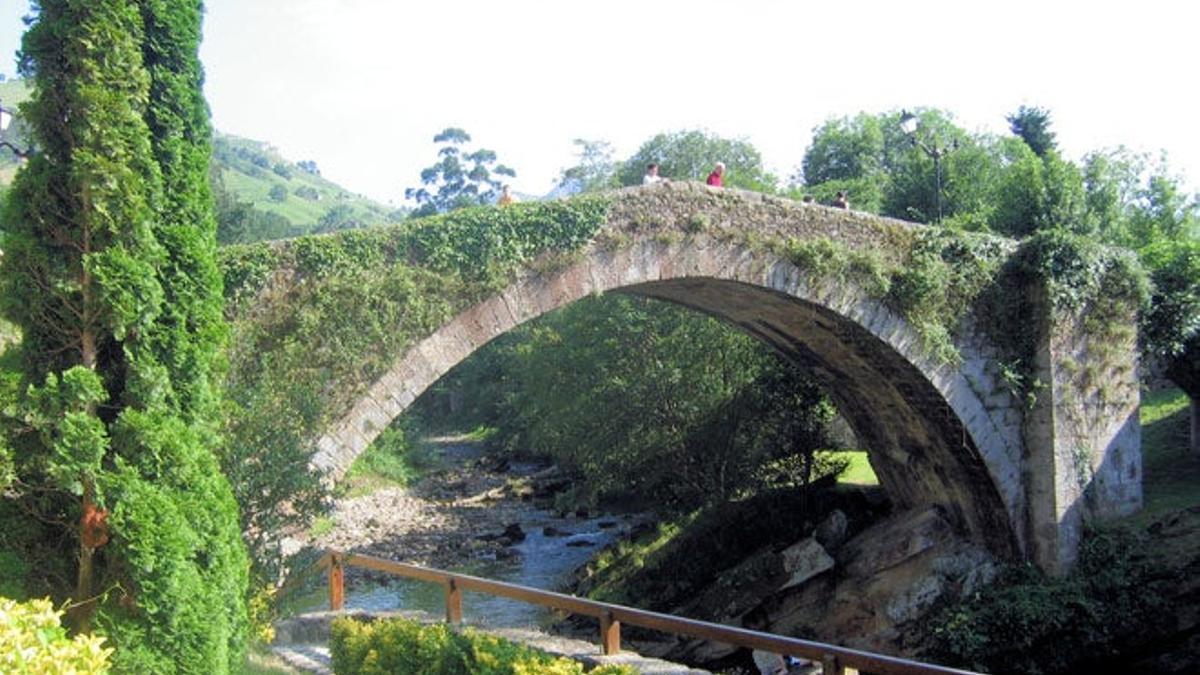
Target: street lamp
point(6, 119)
point(908, 124)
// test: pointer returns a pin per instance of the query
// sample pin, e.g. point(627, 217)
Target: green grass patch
point(393, 460)
point(321, 526)
point(859, 472)
point(1170, 471)
point(480, 433)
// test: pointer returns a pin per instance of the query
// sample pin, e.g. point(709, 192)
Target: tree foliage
point(110, 273)
point(595, 171)
point(459, 178)
point(611, 387)
point(1032, 125)
point(691, 155)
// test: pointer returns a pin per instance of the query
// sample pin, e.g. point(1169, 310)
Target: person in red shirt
point(714, 178)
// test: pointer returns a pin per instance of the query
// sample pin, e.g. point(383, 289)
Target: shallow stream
point(540, 561)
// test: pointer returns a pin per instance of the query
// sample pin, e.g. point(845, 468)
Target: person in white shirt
point(652, 176)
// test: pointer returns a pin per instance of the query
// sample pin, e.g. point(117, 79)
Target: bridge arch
point(942, 433)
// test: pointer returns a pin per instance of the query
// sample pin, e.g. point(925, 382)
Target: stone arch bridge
point(1019, 477)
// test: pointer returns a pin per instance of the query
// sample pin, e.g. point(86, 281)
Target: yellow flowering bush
point(32, 640)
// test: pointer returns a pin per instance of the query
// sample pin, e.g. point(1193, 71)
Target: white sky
point(361, 86)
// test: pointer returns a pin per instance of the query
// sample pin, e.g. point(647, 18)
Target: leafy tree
point(1033, 126)
point(845, 149)
point(986, 183)
point(309, 166)
point(687, 431)
point(338, 217)
point(690, 155)
point(110, 273)
point(459, 178)
point(1133, 201)
point(277, 193)
point(595, 171)
point(1171, 326)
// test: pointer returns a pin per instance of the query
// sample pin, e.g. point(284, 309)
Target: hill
point(12, 93)
point(259, 194)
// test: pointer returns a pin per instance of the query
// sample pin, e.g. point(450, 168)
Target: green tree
point(681, 430)
point(595, 171)
point(1133, 201)
point(691, 155)
point(459, 178)
point(110, 273)
point(1171, 326)
point(1032, 124)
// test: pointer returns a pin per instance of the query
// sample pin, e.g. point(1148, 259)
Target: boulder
point(804, 560)
point(832, 531)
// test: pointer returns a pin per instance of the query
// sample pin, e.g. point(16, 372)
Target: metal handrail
point(835, 660)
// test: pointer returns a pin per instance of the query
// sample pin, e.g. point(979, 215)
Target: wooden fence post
point(610, 634)
point(337, 580)
point(453, 603)
point(830, 665)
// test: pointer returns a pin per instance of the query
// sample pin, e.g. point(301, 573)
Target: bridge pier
point(1082, 434)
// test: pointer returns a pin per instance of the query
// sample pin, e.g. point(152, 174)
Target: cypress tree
point(109, 272)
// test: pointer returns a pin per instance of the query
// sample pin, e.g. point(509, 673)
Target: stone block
point(804, 560)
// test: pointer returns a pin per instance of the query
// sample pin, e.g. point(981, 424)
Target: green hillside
point(12, 93)
point(261, 195)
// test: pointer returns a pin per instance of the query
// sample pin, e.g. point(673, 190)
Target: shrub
point(405, 646)
point(1029, 623)
point(32, 640)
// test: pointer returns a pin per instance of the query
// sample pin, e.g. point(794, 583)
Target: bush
point(32, 640)
point(1029, 623)
point(404, 646)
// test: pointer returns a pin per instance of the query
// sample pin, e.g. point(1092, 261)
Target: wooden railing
point(835, 660)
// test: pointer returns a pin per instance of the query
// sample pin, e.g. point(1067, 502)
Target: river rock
point(551, 531)
point(831, 532)
point(860, 596)
point(514, 533)
point(804, 560)
point(606, 524)
point(580, 542)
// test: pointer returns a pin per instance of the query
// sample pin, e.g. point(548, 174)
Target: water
point(541, 562)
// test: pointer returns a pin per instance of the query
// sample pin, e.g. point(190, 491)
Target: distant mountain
point(259, 194)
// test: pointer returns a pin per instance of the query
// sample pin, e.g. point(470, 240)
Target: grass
point(321, 525)
point(1170, 470)
point(393, 460)
point(859, 472)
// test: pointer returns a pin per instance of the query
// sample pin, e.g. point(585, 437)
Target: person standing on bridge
point(652, 177)
point(506, 197)
point(715, 178)
point(841, 201)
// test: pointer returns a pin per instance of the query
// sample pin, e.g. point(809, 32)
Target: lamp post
point(6, 119)
point(908, 124)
